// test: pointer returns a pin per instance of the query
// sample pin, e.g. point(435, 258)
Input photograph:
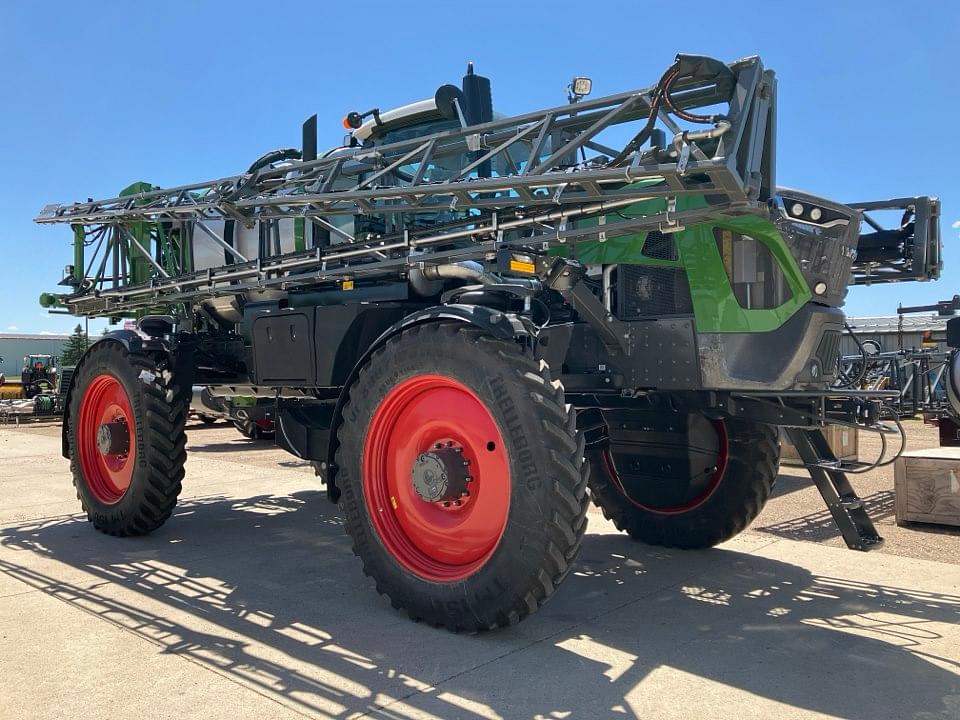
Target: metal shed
point(894, 332)
point(15, 346)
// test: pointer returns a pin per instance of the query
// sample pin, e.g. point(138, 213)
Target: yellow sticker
point(393, 501)
point(347, 285)
point(520, 266)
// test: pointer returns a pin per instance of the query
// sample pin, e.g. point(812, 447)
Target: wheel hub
point(113, 438)
point(425, 427)
point(441, 475)
point(105, 438)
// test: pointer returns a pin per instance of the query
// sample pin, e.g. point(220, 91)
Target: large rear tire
point(685, 482)
point(127, 440)
point(463, 477)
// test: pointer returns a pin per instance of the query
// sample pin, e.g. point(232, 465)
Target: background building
point(895, 332)
point(15, 346)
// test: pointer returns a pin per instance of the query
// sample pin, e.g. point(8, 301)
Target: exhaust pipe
point(428, 280)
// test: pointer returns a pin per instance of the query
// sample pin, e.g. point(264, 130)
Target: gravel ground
point(796, 510)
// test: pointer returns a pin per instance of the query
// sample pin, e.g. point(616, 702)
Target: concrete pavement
point(249, 604)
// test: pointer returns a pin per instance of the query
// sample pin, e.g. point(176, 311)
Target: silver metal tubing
point(607, 288)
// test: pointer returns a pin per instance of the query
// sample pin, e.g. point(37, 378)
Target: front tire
point(127, 440)
point(462, 477)
point(686, 482)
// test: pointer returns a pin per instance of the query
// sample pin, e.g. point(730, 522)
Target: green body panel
point(715, 306)
point(169, 251)
point(78, 239)
point(299, 234)
point(139, 267)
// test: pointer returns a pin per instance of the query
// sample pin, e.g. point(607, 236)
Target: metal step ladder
point(830, 476)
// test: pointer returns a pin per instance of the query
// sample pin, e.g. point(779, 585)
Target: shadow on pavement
point(266, 591)
point(238, 443)
point(818, 526)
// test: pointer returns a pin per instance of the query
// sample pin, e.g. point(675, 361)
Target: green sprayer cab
point(466, 319)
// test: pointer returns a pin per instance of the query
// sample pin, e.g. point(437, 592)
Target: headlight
point(796, 209)
point(815, 214)
point(581, 86)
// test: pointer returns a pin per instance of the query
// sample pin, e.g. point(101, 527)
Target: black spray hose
point(844, 380)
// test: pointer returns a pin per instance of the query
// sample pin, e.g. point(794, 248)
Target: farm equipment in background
point(252, 416)
point(946, 414)
point(42, 387)
point(39, 375)
point(917, 375)
point(465, 320)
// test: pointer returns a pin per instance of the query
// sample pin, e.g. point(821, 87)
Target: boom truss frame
point(568, 175)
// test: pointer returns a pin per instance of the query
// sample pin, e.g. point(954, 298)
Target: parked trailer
point(467, 320)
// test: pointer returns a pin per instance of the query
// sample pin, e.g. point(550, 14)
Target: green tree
point(75, 347)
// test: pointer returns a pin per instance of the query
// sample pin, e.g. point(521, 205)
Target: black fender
point(134, 342)
point(503, 325)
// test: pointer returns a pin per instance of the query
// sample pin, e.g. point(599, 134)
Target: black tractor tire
point(748, 477)
point(156, 409)
point(253, 431)
point(541, 485)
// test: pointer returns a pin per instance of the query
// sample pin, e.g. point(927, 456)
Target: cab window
point(757, 281)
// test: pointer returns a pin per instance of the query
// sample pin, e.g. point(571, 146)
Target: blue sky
point(96, 95)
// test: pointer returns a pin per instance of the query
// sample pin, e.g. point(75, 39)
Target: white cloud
point(956, 224)
point(12, 328)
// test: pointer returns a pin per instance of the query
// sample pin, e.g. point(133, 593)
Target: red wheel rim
point(695, 502)
point(438, 541)
point(107, 473)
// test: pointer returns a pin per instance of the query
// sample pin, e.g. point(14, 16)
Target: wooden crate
point(842, 440)
point(927, 486)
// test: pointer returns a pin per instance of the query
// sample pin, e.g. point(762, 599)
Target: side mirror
point(447, 98)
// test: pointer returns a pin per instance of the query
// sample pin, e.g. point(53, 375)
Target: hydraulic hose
point(469, 270)
point(844, 380)
point(686, 136)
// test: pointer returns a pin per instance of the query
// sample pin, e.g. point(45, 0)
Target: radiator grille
point(659, 246)
point(652, 292)
point(829, 349)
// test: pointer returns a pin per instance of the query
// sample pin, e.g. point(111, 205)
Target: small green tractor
point(39, 375)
